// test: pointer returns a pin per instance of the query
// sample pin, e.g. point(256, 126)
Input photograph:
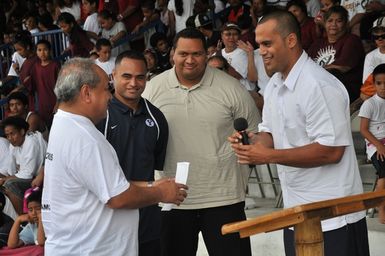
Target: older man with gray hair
point(88, 206)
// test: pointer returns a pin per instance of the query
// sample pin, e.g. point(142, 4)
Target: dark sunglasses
point(377, 37)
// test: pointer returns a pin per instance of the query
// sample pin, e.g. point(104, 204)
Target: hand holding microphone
point(240, 125)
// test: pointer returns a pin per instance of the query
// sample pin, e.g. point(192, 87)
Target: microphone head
point(240, 124)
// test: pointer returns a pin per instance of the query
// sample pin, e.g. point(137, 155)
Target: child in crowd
point(149, 15)
point(28, 151)
point(91, 25)
point(159, 42)
point(33, 232)
point(112, 30)
point(372, 115)
point(44, 77)
point(152, 64)
point(105, 61)
point(80, 44)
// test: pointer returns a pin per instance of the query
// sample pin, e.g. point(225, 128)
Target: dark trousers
point(150, 248)
point(350, 240)
point(180, 229)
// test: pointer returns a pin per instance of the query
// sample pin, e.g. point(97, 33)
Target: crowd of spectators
point(346, 38)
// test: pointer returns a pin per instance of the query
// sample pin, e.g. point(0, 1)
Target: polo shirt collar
point(125, 109)
point(206, 79)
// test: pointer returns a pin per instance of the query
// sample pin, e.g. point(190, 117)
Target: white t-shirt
point(238, 60)
point(374, 110)
point(5, 158)
point(16, 58)
point(180, 21)
point(107, 66)
point(74, 10)
point(372, 60)
point(82, 173)
point(312, 106)
point(91, 24)
point(118, 27)
point(29, 157)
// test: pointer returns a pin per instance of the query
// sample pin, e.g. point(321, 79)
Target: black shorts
point(379, 165)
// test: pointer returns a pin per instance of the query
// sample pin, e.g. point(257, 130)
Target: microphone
point(240, 124)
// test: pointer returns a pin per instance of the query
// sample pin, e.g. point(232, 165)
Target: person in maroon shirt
point(25, 48)
point(44, 75)
point(307, 24)
point(80, 44)
point(340, 52)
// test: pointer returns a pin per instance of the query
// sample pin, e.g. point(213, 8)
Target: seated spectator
point(258, 9)
point(179, 12)
point(33, 232)
point(319, 18)
point(235, 9)
point(28, 151)
point(149, 15)
point(91, 25)
point(44, 75)
point(30, 21)
point(205, 25)
point(112, 30)
point(236, 57)
point(152, 64)
point(69, 6)
point(308, 26)
point(18, 106)
point(164, 15)
point(104, 60)
point(219, 62)
point(6, 223)
point(245, 23)
point(6, 167)
point(340, 52)
point(80, 44)
point(377, 56)
point(159, 42)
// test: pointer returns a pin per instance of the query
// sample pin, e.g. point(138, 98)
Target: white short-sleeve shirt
point(16, 58)
point(312, 106)
point(238, 60)
point(5, 158)
point(372, 60)
point(82, 173)
point(29, 157)
point(374, 110)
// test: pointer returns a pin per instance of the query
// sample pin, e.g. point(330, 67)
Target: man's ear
point(292, 40)
point(85, 93)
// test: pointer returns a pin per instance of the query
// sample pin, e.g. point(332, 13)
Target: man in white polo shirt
point(306, 132)
point(88, 207)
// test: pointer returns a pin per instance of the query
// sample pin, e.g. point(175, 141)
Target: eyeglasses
point(228, 34)
point(378, 37)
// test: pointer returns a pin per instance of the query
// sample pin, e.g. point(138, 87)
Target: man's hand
point(381, 153)
point(171, 192)
point(256, 153)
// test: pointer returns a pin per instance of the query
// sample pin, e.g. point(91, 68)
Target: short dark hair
point(148, 4)
point(35, 196)
point(107, 14)
point(156, 37)
point(299, 3)
point(287, 23)
point(191, 33)
point(15, 121)
point(380, 69)
point(338, 10)
point(45, 42)
point(130, 54)
point(102, 42)
point(222, 59)
point(18, 96)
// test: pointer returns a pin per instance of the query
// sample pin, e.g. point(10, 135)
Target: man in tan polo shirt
point(200, 104)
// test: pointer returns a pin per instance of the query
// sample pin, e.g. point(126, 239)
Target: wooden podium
point(306, 220)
